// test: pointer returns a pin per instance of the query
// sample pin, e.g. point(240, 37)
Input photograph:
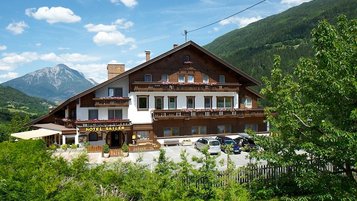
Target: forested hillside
point(286, 34)
point(13, 101)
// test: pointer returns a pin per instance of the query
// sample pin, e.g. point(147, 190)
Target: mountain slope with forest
point(13, 101)
point(287, 34)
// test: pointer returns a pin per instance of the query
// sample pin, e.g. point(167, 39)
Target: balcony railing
point(177, 86)
point(206, 114)
point(111, 102)
point(113, 122)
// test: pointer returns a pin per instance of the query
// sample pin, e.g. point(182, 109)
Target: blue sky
point(88, 34)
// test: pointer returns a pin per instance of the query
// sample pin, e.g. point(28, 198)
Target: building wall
point(82, 112)
point(138, 117)
point(122, 83)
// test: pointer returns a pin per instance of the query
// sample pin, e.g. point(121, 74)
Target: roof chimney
point(115, 69)
point(175, 45)
point(147, 54)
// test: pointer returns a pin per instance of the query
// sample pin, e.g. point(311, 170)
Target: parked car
point(212, 144)
point(228, 143)
point(245, 141)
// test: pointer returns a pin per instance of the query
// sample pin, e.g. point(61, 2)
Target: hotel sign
point(107, 128)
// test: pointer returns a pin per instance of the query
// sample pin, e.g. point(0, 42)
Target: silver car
point(214, 147)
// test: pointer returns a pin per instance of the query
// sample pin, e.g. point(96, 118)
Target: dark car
point(245, 141)
point(227, 143)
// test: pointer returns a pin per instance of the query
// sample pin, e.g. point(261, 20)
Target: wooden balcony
point(206, 114)
point(111, 102)
point(176, 86)
point(108, 122)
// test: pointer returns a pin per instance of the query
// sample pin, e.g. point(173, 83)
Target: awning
point(35, 134)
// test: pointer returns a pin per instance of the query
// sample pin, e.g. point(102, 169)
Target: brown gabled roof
point(176, 49)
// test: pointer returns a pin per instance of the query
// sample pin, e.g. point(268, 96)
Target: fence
point(91, 149)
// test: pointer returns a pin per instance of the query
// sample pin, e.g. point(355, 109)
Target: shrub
point(106, 148)
point(86, 144)
point(64, 146)
point(125, 148)
point(73, 146)
point(52, 147)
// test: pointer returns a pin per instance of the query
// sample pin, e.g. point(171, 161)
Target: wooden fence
point(93, 149)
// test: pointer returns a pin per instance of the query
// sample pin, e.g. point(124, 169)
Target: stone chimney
point(175, 45)
point(115, 69)
point(147, 54)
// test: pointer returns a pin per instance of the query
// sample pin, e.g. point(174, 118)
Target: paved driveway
point(173, 153)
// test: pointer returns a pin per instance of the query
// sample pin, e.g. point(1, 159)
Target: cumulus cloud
point(3, 47)
point(110, 35)
point(9, 75)
point(100, 27)
point(108, 38)
point(240, 21)
point(293, 2)
point(17, 27)
point(127, 3)
point(123, 23)
point(10, 61)
point(53, 15)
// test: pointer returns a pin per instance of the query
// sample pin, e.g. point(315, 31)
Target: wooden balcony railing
point(111, 102)
point(121, 122)
point(206, 114)
point(176, 86)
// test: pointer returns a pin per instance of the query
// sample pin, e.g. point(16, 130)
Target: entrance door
point(116, 139)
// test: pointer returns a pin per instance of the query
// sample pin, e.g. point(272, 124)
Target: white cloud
point(25, 57)
point(38, 44)
point(100, 27)
point(96, 71)
point(240, 21)
point(293, 2)
point(17, 27)
point(3, 47)
point(127, 3)
point(53, 15)
point(109, 34)
point(9, 75)
point(112, 38)
point(123, 23)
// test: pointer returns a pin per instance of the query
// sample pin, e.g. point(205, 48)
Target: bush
point(64, 146)
point(106, 148)
point(52, 147)
point(86, 144)
point(73, 146)
point(125, 148)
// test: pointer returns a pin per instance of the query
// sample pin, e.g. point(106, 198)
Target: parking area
point(173, 153)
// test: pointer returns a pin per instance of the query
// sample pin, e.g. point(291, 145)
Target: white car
point(214, 147)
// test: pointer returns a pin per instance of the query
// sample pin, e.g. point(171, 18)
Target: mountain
point(287, 34)
point(52, 83)
point(14, 101)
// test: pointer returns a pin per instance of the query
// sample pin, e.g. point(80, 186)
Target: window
point(159, 102)
point(115, 114)
point(148, 78)
point(248, 102)
point(143, 102)
point(92, 114)
point(93, 137)
point(208, 101)
point(115, 92)
point(225, 102)
point(224, 129)
point(205, 78)
point(253, 127)
point(164, 78)
point(222, 79)
point(142, 135)
point(172, 131)
point(181, 78)
point(198, 130)
point(190, 102)
point(172, 102)
point(190, 78)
